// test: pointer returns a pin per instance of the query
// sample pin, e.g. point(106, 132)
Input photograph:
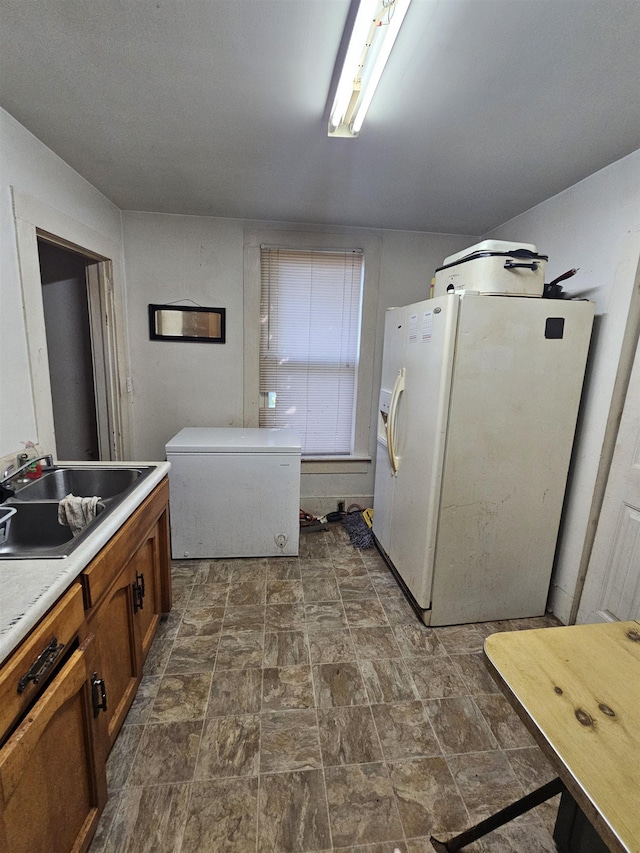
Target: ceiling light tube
point(344, 91)
point(391, 31)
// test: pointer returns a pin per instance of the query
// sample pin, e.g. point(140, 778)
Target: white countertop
point(28, 588)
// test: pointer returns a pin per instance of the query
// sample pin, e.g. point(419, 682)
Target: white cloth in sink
point(77, 513)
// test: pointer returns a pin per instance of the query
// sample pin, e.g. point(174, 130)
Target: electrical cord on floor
point(311, 523)
point(356, 520)
point(308, 520)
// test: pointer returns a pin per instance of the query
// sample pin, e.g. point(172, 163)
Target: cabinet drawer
point(37, 656)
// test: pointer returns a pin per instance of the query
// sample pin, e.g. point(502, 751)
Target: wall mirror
point(187, 323)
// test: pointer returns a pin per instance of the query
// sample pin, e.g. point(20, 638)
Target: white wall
point(33, 169)
point(171, 258)
point(587, 226)
point(176, 384)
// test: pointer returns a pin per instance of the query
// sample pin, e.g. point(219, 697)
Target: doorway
point(86, 257)
point(65, 301)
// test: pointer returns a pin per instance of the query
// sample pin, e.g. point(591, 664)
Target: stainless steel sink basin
point(83, 482)
point(35, 532)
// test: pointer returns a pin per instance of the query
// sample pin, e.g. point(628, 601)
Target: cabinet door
point(126, 588)
point(113, 624)
point(148, 568)
point(52, 779)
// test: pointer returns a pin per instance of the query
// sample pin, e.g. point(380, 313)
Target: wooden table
point(577, 690)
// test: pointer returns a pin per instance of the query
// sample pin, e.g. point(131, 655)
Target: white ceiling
point(219, 107)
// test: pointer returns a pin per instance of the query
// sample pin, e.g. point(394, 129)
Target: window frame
point(359, 461)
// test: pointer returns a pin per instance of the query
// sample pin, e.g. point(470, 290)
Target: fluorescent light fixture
point(375, 29)
point(359, 35)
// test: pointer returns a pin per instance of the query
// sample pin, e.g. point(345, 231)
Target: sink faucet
point(7, 490)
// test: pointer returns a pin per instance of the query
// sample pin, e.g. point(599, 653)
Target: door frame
point(629, 267)
point(601, 574)
point(35, 220)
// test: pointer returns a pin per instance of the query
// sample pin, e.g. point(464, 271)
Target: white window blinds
point(310, 310)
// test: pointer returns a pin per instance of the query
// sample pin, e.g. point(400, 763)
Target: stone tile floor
point(299, 705)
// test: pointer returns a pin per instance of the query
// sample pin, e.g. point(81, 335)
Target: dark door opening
point(69, 347)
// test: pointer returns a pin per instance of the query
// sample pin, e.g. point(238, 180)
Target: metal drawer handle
point(137, 588)
point(138, 592)
point(98, 694)
point(42, 663)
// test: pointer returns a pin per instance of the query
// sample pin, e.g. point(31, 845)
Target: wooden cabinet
point(65, 691)
point(152, 569)
point(52, 770)
point(112, 624)
point(127, 586)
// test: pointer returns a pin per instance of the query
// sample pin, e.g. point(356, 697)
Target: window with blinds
point(310, 310)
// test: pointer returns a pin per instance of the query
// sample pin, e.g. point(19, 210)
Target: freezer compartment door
point(419, 427)
point(394, 342)
point(392, 359)
point(234, 504)
point(383, 499)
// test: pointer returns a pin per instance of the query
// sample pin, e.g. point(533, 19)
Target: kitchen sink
point(34, 531)
point(83, 482)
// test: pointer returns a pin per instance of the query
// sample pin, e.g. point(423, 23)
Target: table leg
point(530, 801)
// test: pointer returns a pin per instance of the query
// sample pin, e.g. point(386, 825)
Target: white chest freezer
point(234, 492)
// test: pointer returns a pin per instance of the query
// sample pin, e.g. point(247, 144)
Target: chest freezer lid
point(500, 247)
point(234, 440)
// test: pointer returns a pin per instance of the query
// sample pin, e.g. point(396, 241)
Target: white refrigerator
point(477, 414)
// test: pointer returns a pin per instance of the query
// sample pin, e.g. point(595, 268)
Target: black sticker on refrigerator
point(554, 327)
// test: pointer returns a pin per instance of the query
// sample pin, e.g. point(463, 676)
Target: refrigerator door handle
point(398, 388)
